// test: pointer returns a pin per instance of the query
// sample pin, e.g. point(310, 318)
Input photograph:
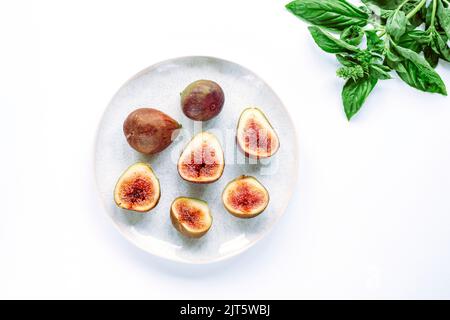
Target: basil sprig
point(394, 42)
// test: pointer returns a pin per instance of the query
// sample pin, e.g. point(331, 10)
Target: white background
point(370, 217)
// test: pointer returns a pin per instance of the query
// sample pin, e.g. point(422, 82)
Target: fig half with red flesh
point(255, 135)
point(202, 159)
point(190, 216)
point(137, 188)
point(245, 197)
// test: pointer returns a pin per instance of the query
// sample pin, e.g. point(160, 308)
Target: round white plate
point(159, 86)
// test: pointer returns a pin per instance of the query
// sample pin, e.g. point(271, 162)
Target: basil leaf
point(332, 14)
point(365, 9)
point(374, 43)
point(417, 72)
point(414, 40)
point(443, 15)
point(385, 4)
point(352, 35)
point(431, 56)
point(396, 24)
point(355, 93)
point(346, 60)
point(378, 13)
point(380, 72)
point(328, 43)
point(440, 46)
point(390, 55)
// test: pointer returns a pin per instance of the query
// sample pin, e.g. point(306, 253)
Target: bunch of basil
point(407, 36)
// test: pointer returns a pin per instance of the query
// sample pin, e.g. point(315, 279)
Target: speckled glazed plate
point(159, 87)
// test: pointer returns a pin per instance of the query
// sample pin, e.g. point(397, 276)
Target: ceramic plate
point(159, 87)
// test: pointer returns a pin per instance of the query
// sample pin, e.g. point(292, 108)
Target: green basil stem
point(433, 14)
point(401, 5)
point(416, 9)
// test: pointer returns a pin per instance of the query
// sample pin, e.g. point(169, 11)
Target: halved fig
point(245, 197)
point(137, 188)
point(150, 131)
point(202, 159)
point(255, 135)
point(190, 216)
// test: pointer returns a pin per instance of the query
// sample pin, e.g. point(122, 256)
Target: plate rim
point(260, 236)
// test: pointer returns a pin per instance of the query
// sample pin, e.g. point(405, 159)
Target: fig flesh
point(190, 216)
point(255, 135)
point(137, 189)
point(150, 131)
point(202, 160)
point(202, 100)
point(245, 197)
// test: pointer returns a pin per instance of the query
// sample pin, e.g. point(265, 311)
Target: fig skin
point(138, 181)
point(248, 184)
point(202, 100)
point(199, 207)
point(255, 113)
point(150, 131)
point(191, 150)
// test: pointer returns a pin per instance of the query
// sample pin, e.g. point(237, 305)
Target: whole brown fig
point(149, 130)
point(202, 100)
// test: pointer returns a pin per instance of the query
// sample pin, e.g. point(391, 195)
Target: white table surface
point(370, 217)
